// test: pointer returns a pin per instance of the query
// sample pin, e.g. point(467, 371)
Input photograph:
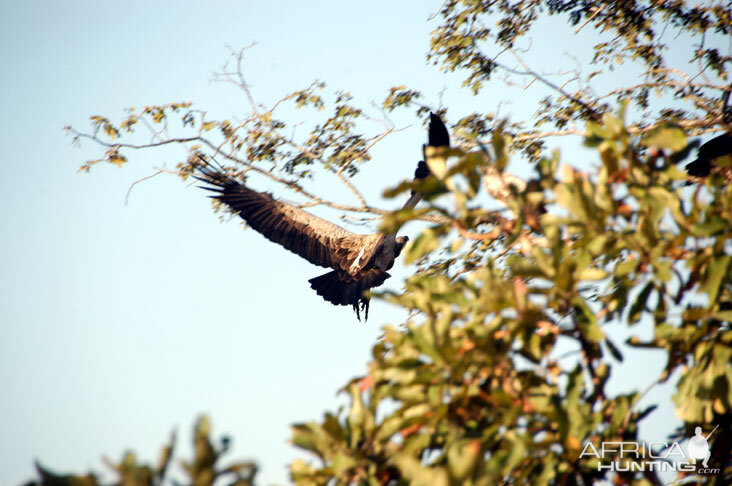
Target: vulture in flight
point(357, 262)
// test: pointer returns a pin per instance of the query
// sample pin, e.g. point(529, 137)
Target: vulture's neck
point(410, 204)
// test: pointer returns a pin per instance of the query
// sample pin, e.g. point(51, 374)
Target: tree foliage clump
point(204, 469)
point(481, 394)
point(477, 386)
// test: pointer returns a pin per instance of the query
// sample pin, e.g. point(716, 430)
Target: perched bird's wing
point(437, 135)
point(318, 241)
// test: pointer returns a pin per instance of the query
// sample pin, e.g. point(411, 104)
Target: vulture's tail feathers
point(340, 292)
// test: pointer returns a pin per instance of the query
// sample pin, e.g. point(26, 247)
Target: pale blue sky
point(119, 323)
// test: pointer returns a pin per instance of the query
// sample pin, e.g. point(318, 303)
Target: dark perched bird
point(437, 136)
point(704, 163)
point(358, 262)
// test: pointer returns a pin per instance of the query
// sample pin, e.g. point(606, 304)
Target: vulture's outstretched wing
point(318, 241)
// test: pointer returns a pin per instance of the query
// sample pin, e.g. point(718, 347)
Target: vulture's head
point(400, 242)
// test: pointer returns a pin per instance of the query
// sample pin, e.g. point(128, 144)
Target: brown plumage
point(359, 262)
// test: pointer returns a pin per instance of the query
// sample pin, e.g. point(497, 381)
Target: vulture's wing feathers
point(317, 240)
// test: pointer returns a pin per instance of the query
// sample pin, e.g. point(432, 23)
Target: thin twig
point(159, 171)
point(591, 111)
point(589, 19)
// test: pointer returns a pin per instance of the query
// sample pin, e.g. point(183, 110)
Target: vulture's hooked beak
point(401, 241)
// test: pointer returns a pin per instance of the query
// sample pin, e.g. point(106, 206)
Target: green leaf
point(723, 315)
point(613, 125)
point(716, 271)
point(626, 267)
point(667, 136)
point(587, 321)
point(462, 456)
point(436, 159)
point(710, 227)
point(591, 274)
point(424, 244)
point(419, 475)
